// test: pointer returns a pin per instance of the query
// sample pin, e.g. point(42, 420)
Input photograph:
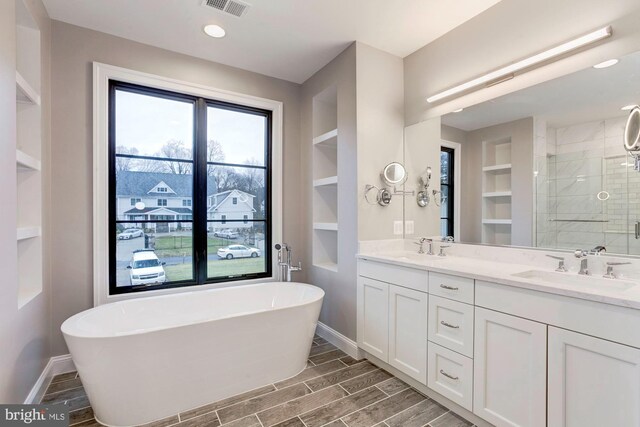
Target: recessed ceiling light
point(214, 31)
point(606, 64)
point(628, 107)
point(458, 110)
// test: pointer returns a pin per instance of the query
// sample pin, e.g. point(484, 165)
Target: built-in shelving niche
point(28, 155)
point(496, 192)
point(325, 179)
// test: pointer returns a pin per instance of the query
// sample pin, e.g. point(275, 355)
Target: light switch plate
point(408, 227)
point(397, 228)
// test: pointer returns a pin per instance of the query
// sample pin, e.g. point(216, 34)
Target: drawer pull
point(448, 376)
point(449, 288)
point(448, 325)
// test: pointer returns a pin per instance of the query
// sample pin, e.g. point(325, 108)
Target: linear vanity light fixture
point(508, 71)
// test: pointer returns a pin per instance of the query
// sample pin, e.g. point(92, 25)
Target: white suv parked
point(146, 268)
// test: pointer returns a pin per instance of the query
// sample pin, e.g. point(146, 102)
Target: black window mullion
point(200, 193)
point(113, 209)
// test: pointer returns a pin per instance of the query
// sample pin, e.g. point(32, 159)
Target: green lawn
point(170, 246)
point(218, 268)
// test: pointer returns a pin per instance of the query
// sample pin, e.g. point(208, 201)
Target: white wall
point(74, 50)
point(24, 333)
point(510, 30)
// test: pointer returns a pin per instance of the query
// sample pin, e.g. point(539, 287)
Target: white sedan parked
point(130, 233)
point(238, 251)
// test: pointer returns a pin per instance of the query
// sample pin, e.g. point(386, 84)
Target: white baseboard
point(336, 338)
point(57, 365)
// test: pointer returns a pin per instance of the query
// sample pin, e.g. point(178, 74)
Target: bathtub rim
point(67, 326)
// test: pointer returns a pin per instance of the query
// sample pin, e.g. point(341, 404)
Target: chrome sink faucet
point(561, 267)
point(584, 266)
point(421, 242)
point(610, 274)
point(285, 266)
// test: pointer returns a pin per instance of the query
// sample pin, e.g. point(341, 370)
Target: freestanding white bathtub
point(146, 359)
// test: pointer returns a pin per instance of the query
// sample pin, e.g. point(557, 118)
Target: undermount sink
point(593, 282)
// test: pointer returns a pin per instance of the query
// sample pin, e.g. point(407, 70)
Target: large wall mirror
point(543, 167)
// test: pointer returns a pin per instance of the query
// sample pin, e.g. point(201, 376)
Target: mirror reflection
point(545, 166)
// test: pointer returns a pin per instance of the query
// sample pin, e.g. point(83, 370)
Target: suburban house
point(232, 205)
point(166, 196)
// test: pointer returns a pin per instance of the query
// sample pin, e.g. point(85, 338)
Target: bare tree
point(175, 149)
point(124, 164)
point(215, 153)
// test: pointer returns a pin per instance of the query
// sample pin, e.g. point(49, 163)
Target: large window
point(190, 197)
point(446, 186)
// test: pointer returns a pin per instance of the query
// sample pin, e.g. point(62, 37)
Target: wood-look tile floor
point(333, 391)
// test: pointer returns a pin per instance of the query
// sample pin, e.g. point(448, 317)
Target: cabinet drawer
point(452, 287)
point(401, 276)
point(450, 374)
point(451, 324)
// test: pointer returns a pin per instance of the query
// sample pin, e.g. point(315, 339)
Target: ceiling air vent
point(232, 7)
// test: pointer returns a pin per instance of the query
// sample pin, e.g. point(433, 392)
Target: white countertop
point(503, 273)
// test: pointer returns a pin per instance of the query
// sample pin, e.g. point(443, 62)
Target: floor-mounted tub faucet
point(285, 266)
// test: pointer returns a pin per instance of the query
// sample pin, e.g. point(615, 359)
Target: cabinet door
point(408, 332)
point(373, 317)
point(509, 370)
point(592, 382)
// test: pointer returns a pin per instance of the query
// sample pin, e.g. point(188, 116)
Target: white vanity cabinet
point(373, 317)
point(392, 316)
point(407, 331)
point(509, 369)
point(592, 382)
point(513, 356)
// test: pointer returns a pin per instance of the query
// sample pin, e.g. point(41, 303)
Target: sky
point(147, 123)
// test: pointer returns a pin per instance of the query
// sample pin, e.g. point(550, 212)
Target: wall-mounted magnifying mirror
point(394, 174)
point(632, 136)
point(632, 131)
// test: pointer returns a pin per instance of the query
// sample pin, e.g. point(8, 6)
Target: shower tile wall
point(583, 160)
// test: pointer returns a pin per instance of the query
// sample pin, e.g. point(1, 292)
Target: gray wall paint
point(24, 333)
point(370, 129)
point(338, 309)
point(380, 121)
point(422, 150)
point(74, 50)
point(510, 30)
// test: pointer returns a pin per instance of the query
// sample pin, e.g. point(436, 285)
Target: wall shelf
point(331, 266)
point(28, 233)
point(26, 162)
point(496, 221)
point(25, 93)
point(325, 180)
point(497, 194)
point(331, 180)
point(497, 207)
point(326, 226)
point(28, 146)
point(497, 168)
point(328, 139)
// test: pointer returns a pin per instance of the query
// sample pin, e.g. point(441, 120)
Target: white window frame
point(102, 73)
